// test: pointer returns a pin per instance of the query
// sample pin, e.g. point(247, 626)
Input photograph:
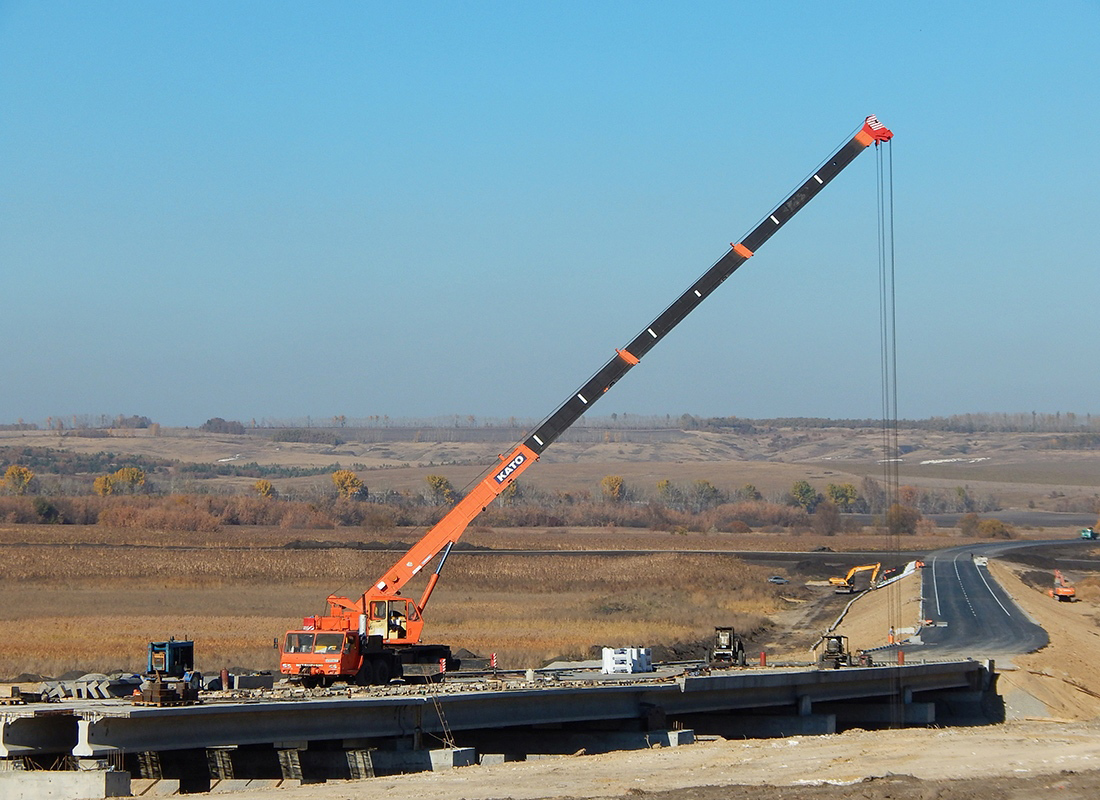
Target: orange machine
point(377, 636)
point(1062, 589)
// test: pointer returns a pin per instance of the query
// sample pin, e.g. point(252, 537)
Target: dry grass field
point(82, 603)
point(89, 597)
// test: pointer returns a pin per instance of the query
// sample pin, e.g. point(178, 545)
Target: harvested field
point(94, 596)
point(92, 606)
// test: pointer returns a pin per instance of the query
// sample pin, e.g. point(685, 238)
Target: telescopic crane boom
point(389, 626)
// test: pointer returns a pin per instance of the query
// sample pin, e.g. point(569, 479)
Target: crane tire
point(381, 672)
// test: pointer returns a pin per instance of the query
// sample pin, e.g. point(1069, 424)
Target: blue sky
point(273, 210)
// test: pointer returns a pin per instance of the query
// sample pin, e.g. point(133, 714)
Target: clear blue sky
point(271, 209)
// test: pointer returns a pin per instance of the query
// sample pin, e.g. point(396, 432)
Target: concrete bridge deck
point(97, 729)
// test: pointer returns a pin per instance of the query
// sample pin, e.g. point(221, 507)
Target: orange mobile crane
point(377, 636)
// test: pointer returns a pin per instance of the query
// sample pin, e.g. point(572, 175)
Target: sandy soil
point(1012, 751)
point(1062, 680)
point(1055, 749)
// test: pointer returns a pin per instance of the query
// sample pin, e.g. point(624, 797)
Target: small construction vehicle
point(1089, 532)
point(171, 659)
point(729, 649)
point(170, 677)
point(376, 636)
point(1062, 591)
point(834, 652)
point(847, 585)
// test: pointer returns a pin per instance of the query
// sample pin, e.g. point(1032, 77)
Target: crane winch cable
point(893, 510)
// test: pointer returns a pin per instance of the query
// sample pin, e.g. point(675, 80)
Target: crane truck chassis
point(377, 636)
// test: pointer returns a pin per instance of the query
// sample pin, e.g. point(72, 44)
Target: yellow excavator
point(847, 585)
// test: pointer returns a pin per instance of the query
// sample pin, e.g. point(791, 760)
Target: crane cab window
point(298, 643)
point(376, 625)
point(329, 643)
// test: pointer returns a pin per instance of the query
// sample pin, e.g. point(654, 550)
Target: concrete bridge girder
point(364, 718)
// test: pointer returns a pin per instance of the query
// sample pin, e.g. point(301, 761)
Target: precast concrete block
point(154, 787)
point(252, 681)
point(57, 785)
point(489, 759)
point(394, 762)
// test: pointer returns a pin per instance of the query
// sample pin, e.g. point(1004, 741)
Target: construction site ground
point(1051, 742)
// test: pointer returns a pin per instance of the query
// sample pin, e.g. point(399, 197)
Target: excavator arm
point(448, 530)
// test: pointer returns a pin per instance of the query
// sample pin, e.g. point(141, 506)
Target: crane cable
point(891, 505)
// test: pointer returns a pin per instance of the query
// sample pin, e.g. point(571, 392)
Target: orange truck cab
point(361, 648)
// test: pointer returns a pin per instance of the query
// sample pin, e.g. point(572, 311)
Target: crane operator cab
point(389, 618)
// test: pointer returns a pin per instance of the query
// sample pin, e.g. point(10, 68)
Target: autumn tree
point(874, 496)
point(511, 494)
point(843, 495)
point(219, 425)
point(124, 479)
point(902, 519)
point(826, 518)
point(263, 488)
point(968, 524)
point(347, 483)
point(909, 496)
point(704, 495)
point(995, 529)
point(670, 494)
point(613, 488)
point(805, 496)
point(441, 490)
point(749, 492)
point(129, 478)
point(17, 478)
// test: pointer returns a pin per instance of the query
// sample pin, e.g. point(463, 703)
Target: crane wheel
point(381, 672)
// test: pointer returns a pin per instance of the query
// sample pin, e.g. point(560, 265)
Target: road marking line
point(936, 588)
point(990, 588)
point(963, 588)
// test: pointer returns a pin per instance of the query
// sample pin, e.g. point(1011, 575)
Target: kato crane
point(376, 636)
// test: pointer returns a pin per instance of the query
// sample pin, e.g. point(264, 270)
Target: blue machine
point(171, 659)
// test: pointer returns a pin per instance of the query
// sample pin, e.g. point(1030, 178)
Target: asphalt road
point(973, 615)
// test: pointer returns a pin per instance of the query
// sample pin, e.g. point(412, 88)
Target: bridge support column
point(805, 705)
